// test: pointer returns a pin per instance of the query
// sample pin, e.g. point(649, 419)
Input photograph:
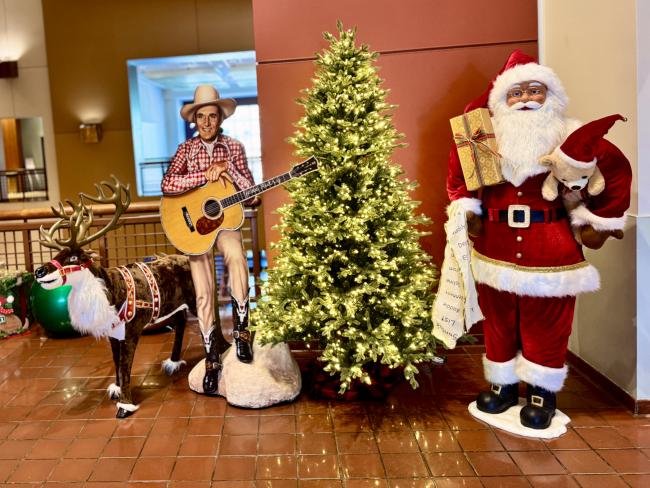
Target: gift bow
point(478, 138)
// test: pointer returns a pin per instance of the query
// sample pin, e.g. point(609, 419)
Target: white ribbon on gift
point(455, 308)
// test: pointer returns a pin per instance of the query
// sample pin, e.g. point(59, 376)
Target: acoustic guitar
point(193, 219)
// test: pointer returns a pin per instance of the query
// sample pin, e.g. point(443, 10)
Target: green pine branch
point(350, 272)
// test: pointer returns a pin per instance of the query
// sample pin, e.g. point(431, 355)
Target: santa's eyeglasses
point(530, 90)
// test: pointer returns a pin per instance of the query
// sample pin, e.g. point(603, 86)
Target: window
point(22, 160)
point(159, 87)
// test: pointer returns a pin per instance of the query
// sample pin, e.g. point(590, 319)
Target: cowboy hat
point(208, 95)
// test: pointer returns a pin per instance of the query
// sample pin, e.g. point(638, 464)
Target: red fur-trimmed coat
point(543, 259)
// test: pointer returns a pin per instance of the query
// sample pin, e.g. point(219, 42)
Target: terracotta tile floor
point(57, 429)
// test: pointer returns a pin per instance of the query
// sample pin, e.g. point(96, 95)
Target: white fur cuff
point(465, 204)
point(113, 391)
point(500, 373)
point(583, 216)
point(551, 379)
point(170, 367)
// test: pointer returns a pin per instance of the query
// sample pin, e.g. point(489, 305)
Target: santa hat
point(519, 67)
point(579, 149)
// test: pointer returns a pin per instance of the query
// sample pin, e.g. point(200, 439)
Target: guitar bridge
point(188, 219)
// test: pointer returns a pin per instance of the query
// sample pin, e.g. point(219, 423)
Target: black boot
point(212, 363)
point(540, 408)
point(499, 399)
point(242, 336)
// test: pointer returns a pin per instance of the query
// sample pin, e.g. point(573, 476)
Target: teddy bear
point(573, 178)
point(573, 163)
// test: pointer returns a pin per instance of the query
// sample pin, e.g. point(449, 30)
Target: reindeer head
point(71, 257)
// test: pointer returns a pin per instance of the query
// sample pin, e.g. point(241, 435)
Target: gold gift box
point(477, 148)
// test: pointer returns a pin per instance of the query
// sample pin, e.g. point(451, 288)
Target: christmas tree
point(350, 272)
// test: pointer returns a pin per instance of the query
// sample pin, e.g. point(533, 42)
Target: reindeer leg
point(114, 389)
point(173, 364)
point(126, 407)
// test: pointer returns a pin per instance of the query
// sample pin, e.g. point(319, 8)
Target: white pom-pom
point(10, 299)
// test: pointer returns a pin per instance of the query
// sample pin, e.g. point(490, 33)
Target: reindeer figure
point(115, 302)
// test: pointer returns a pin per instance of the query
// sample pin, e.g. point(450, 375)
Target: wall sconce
point(90, 133)
point(8, 69)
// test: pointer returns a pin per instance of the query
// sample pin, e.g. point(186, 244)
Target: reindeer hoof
point(123, 413)
point(125, 410)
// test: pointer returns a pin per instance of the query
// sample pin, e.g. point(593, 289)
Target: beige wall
point(22, 38)
point(643, 218)
point(88, 44)
point(592, 45)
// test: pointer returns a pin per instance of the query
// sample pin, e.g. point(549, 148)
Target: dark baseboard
point(640, 407)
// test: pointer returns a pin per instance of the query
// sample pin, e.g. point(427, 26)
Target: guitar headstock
point(307, 166)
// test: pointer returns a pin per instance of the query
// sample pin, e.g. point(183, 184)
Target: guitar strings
point(217, 205)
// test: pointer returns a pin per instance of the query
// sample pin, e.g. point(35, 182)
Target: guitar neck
point(248, 193)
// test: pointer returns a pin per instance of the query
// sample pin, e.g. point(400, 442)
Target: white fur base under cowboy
point(510, 422)
point(272, 378)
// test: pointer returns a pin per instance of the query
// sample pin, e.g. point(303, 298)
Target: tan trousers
point(229, 244)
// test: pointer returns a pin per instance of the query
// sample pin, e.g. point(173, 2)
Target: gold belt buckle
point(511, 216)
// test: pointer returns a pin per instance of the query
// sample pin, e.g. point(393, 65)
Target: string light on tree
point(350, 272)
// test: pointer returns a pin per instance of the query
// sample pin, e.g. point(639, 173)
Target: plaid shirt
point(187, 168)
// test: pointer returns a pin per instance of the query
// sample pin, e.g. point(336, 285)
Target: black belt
point(522, 215)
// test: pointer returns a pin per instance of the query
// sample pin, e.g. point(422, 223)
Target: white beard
point(523, 136)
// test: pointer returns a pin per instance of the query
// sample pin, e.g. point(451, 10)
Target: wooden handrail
point(107, 209)
point(19, 233)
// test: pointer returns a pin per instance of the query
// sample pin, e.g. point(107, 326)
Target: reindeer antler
point(77, 223)
point(120, 196)
point(81, 218)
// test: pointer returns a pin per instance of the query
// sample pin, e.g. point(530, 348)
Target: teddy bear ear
point(596, 183)
point(546, 160)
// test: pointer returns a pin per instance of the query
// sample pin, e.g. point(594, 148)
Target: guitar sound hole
point(211, 208)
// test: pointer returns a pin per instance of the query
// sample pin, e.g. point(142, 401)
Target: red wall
point(435, 57)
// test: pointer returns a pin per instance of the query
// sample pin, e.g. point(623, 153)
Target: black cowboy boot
point(540, 408)
point(499, 399)
point(242, 336)
point(212, 363)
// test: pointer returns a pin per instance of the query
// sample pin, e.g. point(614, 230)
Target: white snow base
point(509, 421)
point(273, 377)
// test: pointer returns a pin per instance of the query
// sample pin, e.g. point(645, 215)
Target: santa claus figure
point(527, 263)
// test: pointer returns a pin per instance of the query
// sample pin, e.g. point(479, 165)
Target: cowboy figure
point(209, 157)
